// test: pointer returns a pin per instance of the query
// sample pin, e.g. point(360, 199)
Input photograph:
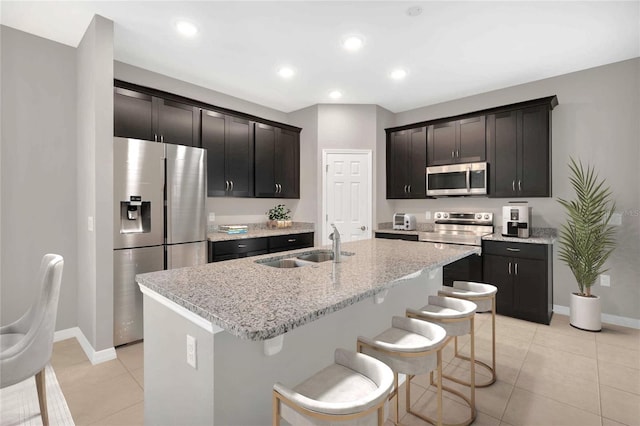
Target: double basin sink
point(304, 259)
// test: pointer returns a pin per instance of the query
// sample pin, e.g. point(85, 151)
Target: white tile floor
point(547, 375)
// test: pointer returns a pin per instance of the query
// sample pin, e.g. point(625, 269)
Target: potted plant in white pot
point(586, 241)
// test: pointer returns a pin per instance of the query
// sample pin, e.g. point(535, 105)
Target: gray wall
point(38, 176)
point(95, 183)
point(596, 121)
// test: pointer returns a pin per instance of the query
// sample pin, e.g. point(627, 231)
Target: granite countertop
point(258, 302)
point(538, 235)
point(260, 230)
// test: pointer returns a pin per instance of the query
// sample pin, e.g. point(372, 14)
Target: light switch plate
point(616, 219)
point(605, 280)
point(212, 217)
point(427, 215)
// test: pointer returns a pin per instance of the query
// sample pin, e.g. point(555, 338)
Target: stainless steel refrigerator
point(159, 213)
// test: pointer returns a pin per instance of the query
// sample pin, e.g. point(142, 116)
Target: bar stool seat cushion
point(440, 309)
point(354, 383)
point(468, 289)
point(407, 335)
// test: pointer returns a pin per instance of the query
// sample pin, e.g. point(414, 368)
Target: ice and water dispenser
point(135, 216)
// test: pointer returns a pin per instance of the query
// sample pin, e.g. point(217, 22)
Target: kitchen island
point(254, 324)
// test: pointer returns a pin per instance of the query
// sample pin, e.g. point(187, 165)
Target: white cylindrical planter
point(585, 312)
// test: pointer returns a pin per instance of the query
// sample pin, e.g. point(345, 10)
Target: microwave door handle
point(468, 179)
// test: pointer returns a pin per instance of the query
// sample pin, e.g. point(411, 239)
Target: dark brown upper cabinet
point(519, 146)
point(277, 162)
point(142, 116)
point(229, 144)
point(458, 141)
point(407, 163)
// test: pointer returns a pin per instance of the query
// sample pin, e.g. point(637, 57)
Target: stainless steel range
point(459, 228)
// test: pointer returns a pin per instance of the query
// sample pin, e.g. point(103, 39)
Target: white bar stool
point(456, 316)
point(353, 391)
point(484, 296)
point(409, 347)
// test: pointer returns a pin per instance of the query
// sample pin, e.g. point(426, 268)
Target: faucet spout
point(335, 238)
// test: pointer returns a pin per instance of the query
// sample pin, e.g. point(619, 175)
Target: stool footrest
point(485, 384)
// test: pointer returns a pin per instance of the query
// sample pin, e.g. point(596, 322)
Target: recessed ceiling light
point(398, 74)
point(286, 72)
point(335, 94)
point(352, 43)
point(186, 28)
point(414, 11)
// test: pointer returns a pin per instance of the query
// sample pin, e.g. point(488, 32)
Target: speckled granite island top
point(259, 302)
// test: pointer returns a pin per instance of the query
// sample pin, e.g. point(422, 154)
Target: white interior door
point(347, 194)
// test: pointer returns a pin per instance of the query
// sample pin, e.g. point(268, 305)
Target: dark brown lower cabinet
point(248, 247)
point(523, 274)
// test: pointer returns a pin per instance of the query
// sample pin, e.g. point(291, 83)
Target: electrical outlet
point(212, 217)
point(191, 351)
point(427, 215)
point(605, 280)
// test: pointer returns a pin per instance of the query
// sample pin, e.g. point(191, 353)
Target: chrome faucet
point(335, 238)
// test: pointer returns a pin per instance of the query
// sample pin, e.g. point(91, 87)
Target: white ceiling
point(453, 49)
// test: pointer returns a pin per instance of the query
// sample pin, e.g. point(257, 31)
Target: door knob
point(363, 228)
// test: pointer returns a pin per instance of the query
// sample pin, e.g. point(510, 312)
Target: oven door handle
point(468, 179)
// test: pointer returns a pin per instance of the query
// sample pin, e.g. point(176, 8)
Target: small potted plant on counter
point(279, 217)
point(586, 241)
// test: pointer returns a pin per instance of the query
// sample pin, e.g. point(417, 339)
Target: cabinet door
point(502, 146)
point(133, 113)
point(178, 123)
point(265, 163)
point(287, 163)
point(530, 289)
point(497, 271)
point(441, 144)
point(398, 174)
point(213, 139)
point(239, 156)
point(471, 140)
point(534, 164)
point(418, 161)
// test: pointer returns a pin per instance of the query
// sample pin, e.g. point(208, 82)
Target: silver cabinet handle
point(242, 245)
point(155, 137)
point(513, 185)
point(519, 185)
point(513, 249)
point(226, 185)
point(409, 188)
point(516, 269)
point(363, 228)
point(276, 185)
point(405, 189)
point(468, 178)
point(162, 138)
point(231, 185)
point(453, 154)
point(291, 240)
point(279, 188)
point(509, 268)
point(458, 153)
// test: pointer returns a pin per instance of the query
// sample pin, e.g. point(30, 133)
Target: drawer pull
point(291, 240)
point(242, 245)
point(516, 269)
point(513, 249)
point(509, 268)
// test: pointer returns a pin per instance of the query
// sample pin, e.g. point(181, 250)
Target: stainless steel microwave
point(457, 179)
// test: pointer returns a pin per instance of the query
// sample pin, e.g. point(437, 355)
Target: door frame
point(324, 228)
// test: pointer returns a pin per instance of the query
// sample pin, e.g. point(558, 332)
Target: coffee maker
point(516, 219)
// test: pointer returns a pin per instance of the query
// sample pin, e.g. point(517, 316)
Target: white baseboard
point(606, 318)
point(95, 357)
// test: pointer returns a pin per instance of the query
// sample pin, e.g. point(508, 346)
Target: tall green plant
point(587, 240)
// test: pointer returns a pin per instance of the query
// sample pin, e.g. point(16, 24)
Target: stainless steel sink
point(321, 255)
point(284, 263)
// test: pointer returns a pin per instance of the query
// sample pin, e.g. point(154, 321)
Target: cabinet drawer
point(394, 236)
point(239, 246)
point(522, 250)
point(290, 242)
